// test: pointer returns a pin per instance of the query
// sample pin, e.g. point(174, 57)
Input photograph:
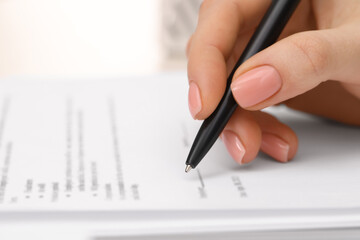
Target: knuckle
point(313, 49)
point(206, 4)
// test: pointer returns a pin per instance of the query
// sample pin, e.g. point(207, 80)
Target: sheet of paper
point(121, 145)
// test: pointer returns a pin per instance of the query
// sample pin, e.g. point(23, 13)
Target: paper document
point(122, 146)
point(106, 159)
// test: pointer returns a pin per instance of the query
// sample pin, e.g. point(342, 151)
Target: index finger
point(220, 22)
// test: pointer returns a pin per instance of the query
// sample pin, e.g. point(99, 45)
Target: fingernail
point(275, 147)
point(194, 99)
point(256, 85)
point(233, 145)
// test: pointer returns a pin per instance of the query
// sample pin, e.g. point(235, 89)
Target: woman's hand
point(315, 68)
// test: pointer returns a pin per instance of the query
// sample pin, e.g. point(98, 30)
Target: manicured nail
point(275, 147)
point(194, 99)
point(256, 85)
point(233, 145)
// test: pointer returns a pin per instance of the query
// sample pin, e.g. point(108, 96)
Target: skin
point(317, 58)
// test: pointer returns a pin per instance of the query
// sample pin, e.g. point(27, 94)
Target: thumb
point(295, 65)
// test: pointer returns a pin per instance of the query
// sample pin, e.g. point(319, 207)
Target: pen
point(266, 34)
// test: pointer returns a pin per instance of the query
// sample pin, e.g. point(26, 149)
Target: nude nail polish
point(194, 99)
point(256, 85)
point(275, 147)
point(233, 145)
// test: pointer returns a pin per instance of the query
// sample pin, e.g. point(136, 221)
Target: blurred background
point(93, 38)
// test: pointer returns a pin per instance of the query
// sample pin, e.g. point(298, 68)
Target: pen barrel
point(265, 35)
point(268, 30)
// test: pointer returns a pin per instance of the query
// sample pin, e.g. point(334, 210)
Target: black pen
point(266, 34)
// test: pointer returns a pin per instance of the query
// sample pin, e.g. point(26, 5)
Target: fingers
point(242, 136)
point(295, 65)
point(278, 140)
point(220, 23)
point(248, 132)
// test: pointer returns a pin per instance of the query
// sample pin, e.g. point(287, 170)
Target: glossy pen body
point(266, 34)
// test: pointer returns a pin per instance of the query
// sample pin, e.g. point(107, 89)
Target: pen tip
point(188, 168)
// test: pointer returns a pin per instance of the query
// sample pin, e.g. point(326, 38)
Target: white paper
point(121, 146)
